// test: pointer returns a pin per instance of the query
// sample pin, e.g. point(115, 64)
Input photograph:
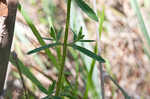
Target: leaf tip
point(30, 52)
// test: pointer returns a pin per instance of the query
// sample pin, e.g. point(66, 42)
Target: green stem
point(59, 84)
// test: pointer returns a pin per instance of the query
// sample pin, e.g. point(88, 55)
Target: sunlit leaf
point(85, 8)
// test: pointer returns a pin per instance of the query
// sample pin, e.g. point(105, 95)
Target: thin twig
point(102, 81)
point(20, 73)
point(99, 53)
point(106, 75)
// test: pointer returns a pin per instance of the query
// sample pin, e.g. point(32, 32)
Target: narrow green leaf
point(90, 85)
point(86, 41)
point(59, 34)
point(80, 34)
point(88, 53)
point(93, 63)
point(37, 34)
point(101, 18)
point(85, 8)
point(53, 33)
point(51, 88)
point(43, 48)
point(28, 74)
point(120, 88)
point(140, 19)
point(74, 35)
point(47, 38)
point(82, 37)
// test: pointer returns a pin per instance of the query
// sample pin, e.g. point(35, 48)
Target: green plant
point(64, 88)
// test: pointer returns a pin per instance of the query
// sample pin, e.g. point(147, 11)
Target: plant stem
point(20, 73)
point(102, 80)
point(99, 52)
point(59, 84)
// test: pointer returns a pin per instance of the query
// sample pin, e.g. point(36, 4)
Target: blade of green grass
point(85, 8)
point(90, 85)
point(77, 21)
point(28, 74)
point(140, 19)
point(100, 28)
point(121, 89)
point(93, 63)
point(37, 35)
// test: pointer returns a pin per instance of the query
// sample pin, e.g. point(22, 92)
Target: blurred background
point(122, 44)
